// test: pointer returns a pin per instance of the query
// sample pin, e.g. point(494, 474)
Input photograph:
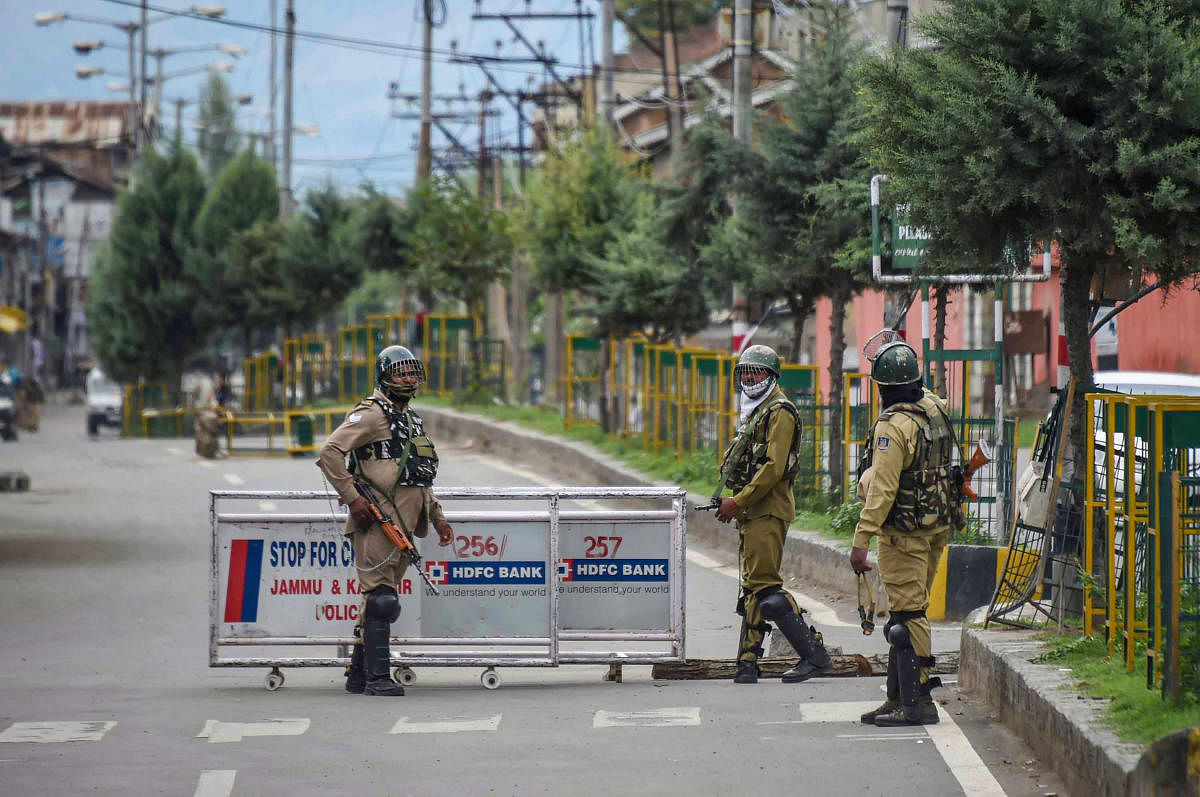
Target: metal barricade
point(615, 594)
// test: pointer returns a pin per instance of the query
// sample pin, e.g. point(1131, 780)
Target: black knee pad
point(383, 604)
point(897, 635)
point(775, 605)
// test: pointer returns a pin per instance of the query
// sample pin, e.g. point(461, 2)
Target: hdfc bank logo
point(438, 572)
point(566, 570)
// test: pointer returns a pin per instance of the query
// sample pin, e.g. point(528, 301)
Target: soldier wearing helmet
point(760, 466)
point(908, 485)
point(383, 442)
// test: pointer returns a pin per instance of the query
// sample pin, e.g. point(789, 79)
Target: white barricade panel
point(295, 580)
point(493, 581)
point(615, 575)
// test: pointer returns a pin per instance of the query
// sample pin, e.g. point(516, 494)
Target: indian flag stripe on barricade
point(245, 570)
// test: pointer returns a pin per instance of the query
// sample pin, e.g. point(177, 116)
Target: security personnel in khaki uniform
point(385, 441)
point(910, 501)
point(760, 466)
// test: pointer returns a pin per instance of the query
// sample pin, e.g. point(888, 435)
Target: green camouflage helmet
point(896, 364)
point(757, 356)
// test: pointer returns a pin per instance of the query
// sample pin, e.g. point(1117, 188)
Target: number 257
point(599, 547)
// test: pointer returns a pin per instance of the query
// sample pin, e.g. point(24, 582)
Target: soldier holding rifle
point(760, 466)
point(392, 465)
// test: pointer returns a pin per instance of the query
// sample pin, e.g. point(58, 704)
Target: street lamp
point(45, 18)
point(85, 72)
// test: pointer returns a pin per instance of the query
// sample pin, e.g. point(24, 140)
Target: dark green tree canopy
point(144, 300)
point(644, 14)
point(217, 138)
point(1070, 119)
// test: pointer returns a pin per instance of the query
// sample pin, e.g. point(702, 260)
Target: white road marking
point(452, 725)
point(216, 731)
point(881, 737)
point(215, 783)
point(267, 506)
point(234, 479)
point(964, 763)
point(204, 463)
point(819, 612)
point(44, 732)
point(847, 711)
point(179, 452)
point(649, 718)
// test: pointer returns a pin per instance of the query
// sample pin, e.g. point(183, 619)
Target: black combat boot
point(378, 658)
point(356, 675)
point(747, 673)
point(916, 705)
point(893, 693)
point(814, 659)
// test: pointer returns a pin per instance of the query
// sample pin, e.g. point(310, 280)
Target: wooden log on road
point(843, 666)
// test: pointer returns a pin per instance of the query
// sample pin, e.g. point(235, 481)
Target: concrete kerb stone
point(814, 561)
point(1041, 703)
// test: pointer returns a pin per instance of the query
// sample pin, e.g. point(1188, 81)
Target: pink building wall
point(1153, 335)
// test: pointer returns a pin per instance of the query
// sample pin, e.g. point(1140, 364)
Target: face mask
point(754, 391)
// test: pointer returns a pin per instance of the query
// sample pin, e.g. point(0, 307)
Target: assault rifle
point(716, 504)
point(394, 532)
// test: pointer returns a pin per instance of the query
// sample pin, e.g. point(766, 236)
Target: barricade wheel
point(405, 676)
point(490, 678)
point(274, 680)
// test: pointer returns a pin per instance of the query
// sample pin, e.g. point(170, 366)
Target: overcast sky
point(341, 89)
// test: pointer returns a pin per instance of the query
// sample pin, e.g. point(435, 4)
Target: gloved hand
point(360, 510)
point(727, 510)
point(444, 531)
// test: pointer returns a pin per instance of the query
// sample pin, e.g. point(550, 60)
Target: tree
point(243, 195)
point(144, 299)
point(316, 255)
point(217, 138)
point(642, 16)
point(650, 286)
point(459, 245)
point(804, 229)
point(1068, 120)
point(576, 205)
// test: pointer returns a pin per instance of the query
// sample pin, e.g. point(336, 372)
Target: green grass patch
point(1136, 714)
point(694, 472)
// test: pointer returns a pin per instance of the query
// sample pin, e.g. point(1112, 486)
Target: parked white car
point(104, 399)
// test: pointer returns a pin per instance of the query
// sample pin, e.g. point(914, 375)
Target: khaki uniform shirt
point(415, 507)
point(894, 442)
point(768, 493)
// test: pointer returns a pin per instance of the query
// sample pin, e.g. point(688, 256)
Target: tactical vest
point(930, 491)
point(747, 452)
point(417, 459)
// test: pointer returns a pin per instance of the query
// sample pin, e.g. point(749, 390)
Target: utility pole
point(179, 119)
point(742, 109)
point(671, 84)
point(425, 142)
point(271, 88)
point(285, 179)
point(131, 31)
point(608, 92)
point(145, 23)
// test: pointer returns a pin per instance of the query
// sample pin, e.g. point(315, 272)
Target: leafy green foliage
point(458, 244)
point(844, 518)
point(317, 264)
point(243, 195)
point(644, 14)
point(576, 205)
point(649, 286)
point(143, 302)
point(380, 232)
point(1064, 119)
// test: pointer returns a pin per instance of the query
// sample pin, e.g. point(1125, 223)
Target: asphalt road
point(104, 594)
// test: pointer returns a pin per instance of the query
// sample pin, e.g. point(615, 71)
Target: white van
point(1148, 383)
point(104, 399)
